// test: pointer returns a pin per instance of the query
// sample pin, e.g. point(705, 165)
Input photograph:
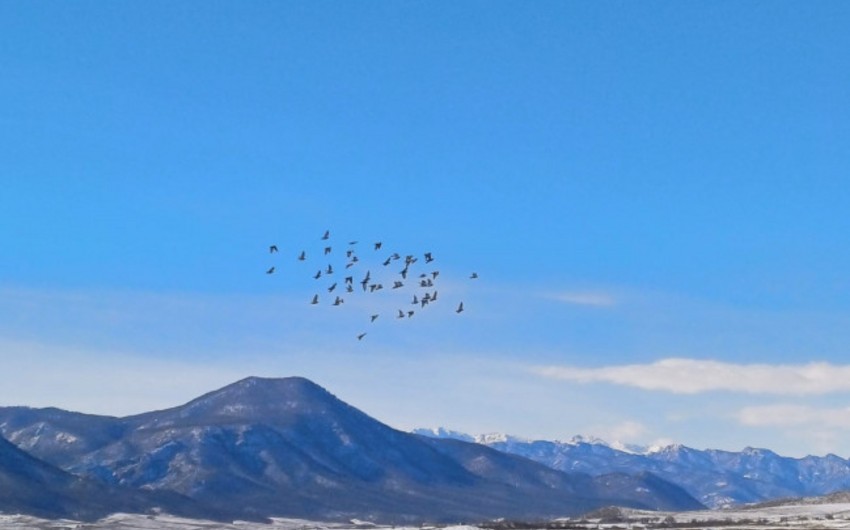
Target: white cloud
point(692, 376)
point(588, 298)
point(789, 415)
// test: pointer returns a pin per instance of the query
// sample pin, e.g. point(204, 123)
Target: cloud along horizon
point(694, 376)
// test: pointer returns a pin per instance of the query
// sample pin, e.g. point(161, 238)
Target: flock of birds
point(343, 282)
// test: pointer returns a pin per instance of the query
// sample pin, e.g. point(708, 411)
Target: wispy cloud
point(692, 376)
point(585, 298)
point(790, 415)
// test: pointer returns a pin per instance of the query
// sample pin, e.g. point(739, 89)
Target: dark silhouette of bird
point(374, 317)
point(331, 288)
point(415, 300)
point(327, 235)
point(403, 273)
point(395, 256)
point(397, 285)
point(378, 245)
point(349, 289)
point(317, 275)
point(473, 276)
point(428, 258)
point(434, 296)
point(272, 249)
point(459, 308)
point(387, 261)
point(360, 337)
point(338, 301)
point(330, 270)
point(349, 280)
point(423, 275)
point(270, 271)
point(302, 256)
point(410, 314)
point(327, 250)
point(349, 253)
point(315, 299)
point(400, 314)
point(435, 274)
point(352, 242)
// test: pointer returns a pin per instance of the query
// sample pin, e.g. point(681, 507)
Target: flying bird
point(338, 301)
point(327, 250)
point(360, 337)
point(318, 275)
point(473, 276)
point(400, 314)
point(435, 274)
point(459, 308)
point(374, 317)
point(270, 271)
point(409, 314)
point(396, 285)
point(428, 258)
point(302, 256)
point(272, 249)
point(330, 270)
point(387, 262)
point(327, 235)
point(331, 288)
point(378, 245)
point(315, 299)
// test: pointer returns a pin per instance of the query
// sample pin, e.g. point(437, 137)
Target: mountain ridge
point(288, 447)
point(716, 477)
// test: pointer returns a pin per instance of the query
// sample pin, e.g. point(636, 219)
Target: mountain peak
point(251, 399)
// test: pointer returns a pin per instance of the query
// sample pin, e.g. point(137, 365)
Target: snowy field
point(804, 516)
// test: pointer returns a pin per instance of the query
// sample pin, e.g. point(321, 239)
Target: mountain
point(716, 478)
point(34, 487)
point(287, 447)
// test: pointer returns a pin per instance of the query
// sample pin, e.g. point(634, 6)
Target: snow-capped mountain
point(717, 478)
point(287, 447)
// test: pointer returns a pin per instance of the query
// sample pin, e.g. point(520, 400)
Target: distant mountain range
point(287, 447)
point(716, 478)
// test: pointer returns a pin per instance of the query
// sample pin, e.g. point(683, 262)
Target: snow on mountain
point(717, 478)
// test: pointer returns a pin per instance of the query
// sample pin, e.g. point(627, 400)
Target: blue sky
point(633, 182)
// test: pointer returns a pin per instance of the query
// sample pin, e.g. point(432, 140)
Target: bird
point(302, 256)
point(409, 314)
point(473, 276)
point(415, 300)
point(318, 275)
point(387, 261)
point(360, 337)
point(349, 280)
point(400, 314)
point(338, 301)
point(435, 274)
point(331, 288)
point(395, 256)
point(272, 249)
point(374, 317)
point(378, 245)
point(330, 270)
point(315, 299)
point(459, 308)
point(327, 250)
point(327, 235)
point(404, 273)
point(270, 271)
point(428, 258)
point(434, 297)
point(349, 253)
point(349, 289)
point(352, 242)
point(397, 285)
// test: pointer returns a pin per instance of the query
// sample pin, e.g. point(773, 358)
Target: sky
point(654, 196)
